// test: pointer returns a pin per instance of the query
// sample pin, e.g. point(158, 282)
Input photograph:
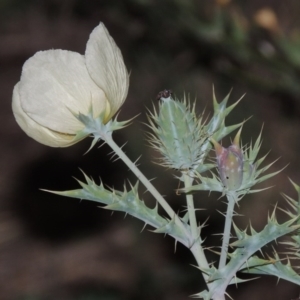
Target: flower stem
point(196, 248)
point(165, 205)
point(227, 228)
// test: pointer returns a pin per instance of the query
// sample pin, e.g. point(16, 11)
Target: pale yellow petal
point(55, 83)
point(106, 67)
point(35, 130)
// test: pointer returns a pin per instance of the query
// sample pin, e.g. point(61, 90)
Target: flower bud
point(230, 163)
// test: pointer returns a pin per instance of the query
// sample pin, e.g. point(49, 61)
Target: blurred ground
point(56, 248)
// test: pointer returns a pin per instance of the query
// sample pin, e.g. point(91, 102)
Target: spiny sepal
point(97, 127)
point(216, 127)
point(127, 201)
point(252, 174)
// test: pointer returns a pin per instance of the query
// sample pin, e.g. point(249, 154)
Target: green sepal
point(252, 175)
point(216, 127)
point(225, 130)
point(97, 127)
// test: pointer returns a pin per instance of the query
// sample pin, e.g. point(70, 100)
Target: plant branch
point(165, 205)
point(231, 197)
point(196, 248)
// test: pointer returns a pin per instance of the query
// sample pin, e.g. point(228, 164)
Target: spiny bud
point(230, 163)
point(178, 133)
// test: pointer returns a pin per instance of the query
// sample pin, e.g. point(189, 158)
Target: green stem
point(196, 248)
point(231, 197)
point(219, 297)
point(165, 205)
point(190, 207)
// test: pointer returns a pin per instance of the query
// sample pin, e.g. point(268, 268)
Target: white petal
point(106, 67)
point(36, 131)
point(54, 83)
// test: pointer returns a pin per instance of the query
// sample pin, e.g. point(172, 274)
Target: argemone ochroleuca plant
point(63, 97)
point(55, 84)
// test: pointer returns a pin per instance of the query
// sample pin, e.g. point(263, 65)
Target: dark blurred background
point(53, 247)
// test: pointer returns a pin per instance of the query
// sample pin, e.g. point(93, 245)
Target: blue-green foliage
point(183, 138)
point(127, 202)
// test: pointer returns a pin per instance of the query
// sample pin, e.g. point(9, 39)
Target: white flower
point(57, 83)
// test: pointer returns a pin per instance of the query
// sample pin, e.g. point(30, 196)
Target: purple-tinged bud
point(230, 163)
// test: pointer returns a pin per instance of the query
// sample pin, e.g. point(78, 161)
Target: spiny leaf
point(127, 202)
point(271, 232)
point(273, 267)
point(294, 244)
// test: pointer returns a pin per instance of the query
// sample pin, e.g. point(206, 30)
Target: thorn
point(137, 160)
point(228, 295)
point(116, 159)
point(101, 145)
point(144, 227)
point(113, 154)
point(95, 140)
